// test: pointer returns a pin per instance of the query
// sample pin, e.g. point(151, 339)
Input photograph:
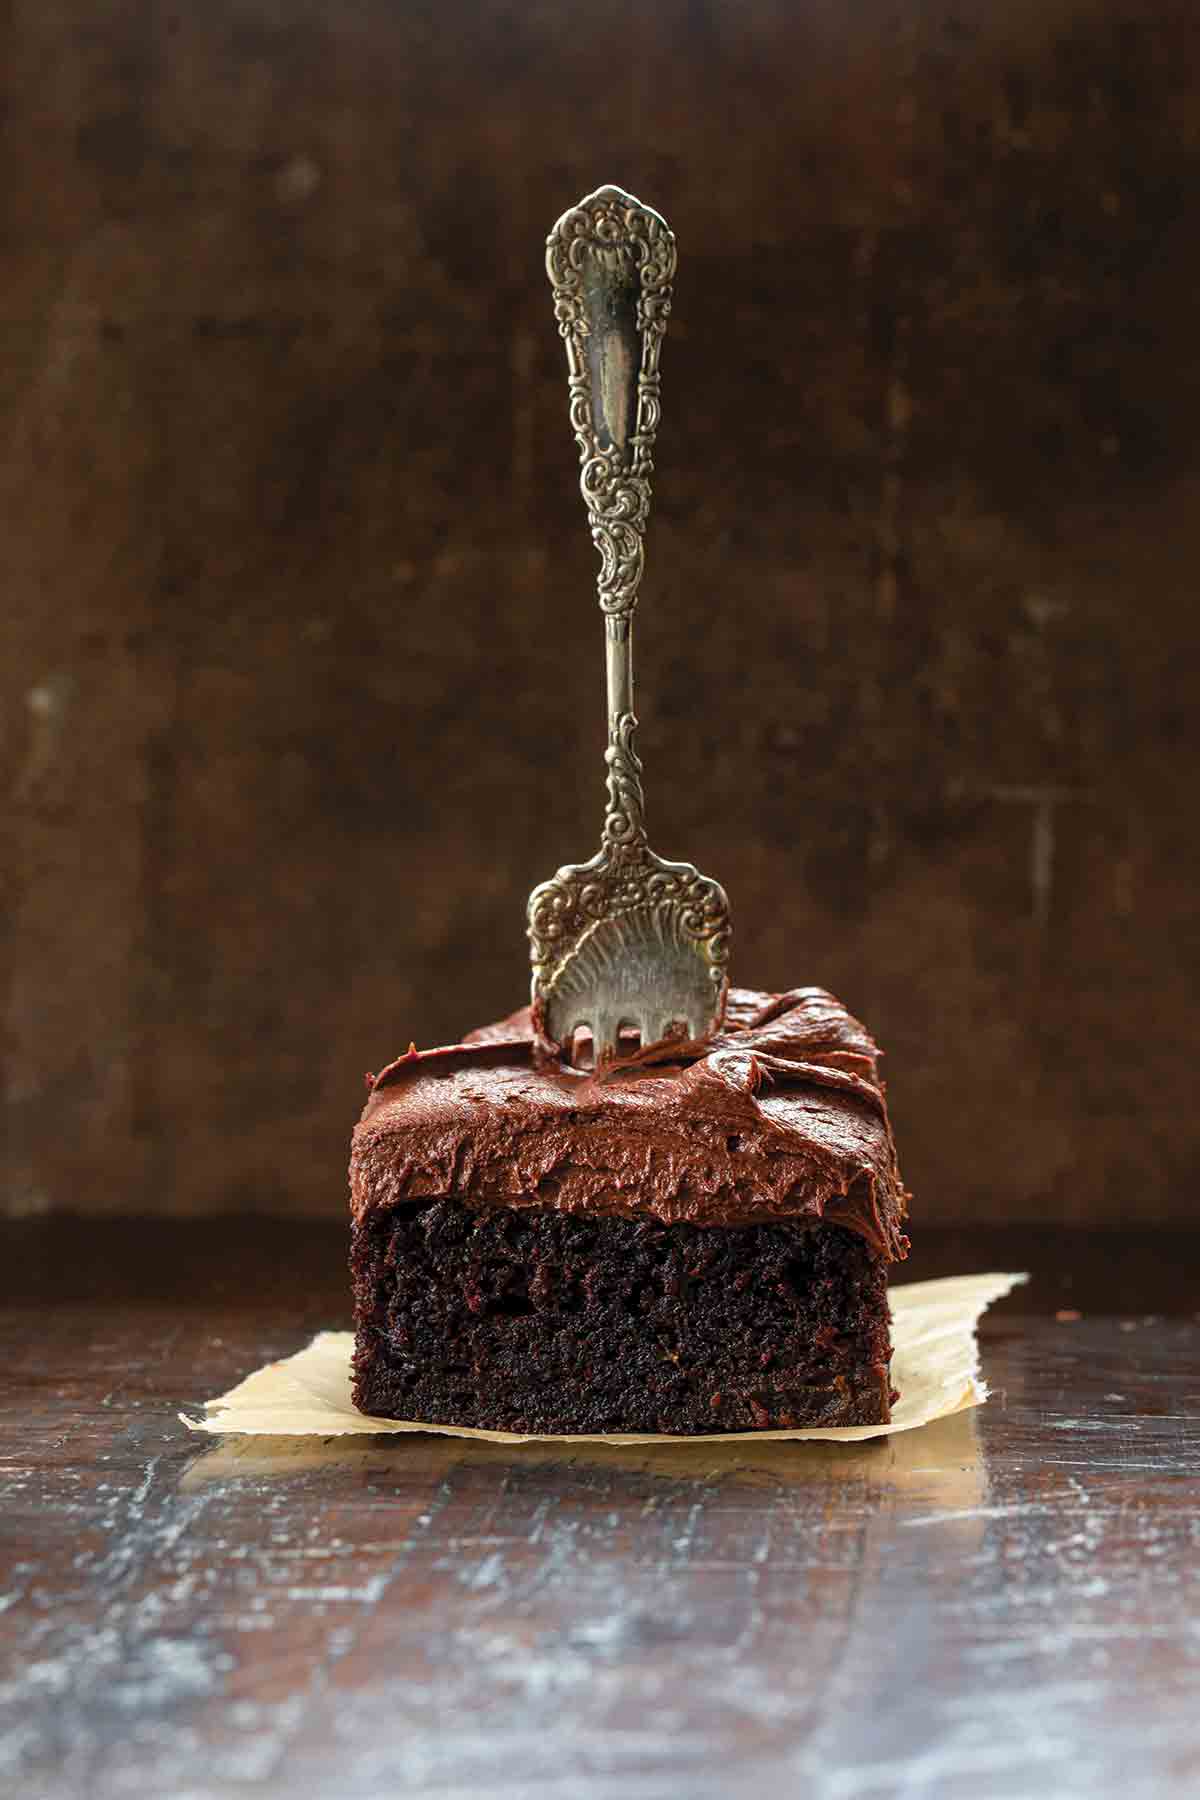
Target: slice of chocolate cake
point(692, 1245)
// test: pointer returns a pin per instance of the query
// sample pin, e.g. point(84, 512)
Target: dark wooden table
point(1007, 1604)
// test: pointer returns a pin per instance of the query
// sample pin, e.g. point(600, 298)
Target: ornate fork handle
point(611, 262)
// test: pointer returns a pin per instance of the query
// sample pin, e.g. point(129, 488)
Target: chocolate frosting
point(781, 1116)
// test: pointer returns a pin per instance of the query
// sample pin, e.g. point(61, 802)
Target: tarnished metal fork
point(626, 943)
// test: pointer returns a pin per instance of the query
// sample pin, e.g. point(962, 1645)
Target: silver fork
point(626, 943)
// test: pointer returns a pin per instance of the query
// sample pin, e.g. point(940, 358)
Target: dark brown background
point(304, 681)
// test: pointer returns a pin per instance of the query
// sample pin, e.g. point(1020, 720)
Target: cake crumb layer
point(521, 1320)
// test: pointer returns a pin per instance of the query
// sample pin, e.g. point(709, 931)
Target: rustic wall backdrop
point(303, 680)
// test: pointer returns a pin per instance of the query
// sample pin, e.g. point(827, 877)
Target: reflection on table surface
point(940, 1462)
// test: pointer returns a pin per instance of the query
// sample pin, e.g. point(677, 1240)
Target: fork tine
point(605, 1033)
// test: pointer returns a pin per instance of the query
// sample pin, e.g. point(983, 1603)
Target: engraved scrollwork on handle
point(611, 262)
point(607, 246)
point(624, 821)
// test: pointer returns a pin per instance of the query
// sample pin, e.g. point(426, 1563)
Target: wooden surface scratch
point(1002, 1604)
